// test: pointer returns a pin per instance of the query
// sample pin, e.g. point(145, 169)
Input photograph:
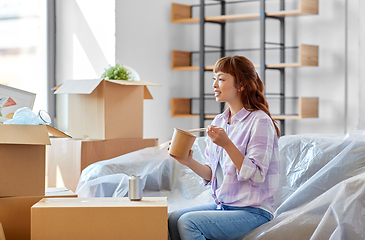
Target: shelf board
point(191, 68)
point(193, 116)
point(308, 108)
point(181, 13)
point(308, 56)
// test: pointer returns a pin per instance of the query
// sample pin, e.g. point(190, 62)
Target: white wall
point(144, 40)
point(336, 87)
point(328, 80)
point(85, 44)
point(145, 37)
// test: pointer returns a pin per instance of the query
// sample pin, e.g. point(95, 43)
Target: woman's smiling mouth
point(216, 93)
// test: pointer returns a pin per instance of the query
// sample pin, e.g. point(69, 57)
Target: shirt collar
point(240, 116)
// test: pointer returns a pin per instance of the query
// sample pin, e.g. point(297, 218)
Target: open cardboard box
point(23, 159)
point(12, 99)
point(99, 218)
point(15, 212)
point(105, 109)
point(66, 158)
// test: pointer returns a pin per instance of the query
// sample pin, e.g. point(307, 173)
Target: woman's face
point(224, 88)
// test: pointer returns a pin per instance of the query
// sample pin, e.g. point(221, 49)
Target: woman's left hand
point(218, 135)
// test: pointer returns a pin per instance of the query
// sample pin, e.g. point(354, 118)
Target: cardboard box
point(105, 109)
point(15, 212)
point(2, 236)
point(22, 159)
point(99, 218)
point(66, 158)
point(59, 192)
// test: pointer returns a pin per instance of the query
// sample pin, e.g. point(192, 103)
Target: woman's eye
point(220, 79)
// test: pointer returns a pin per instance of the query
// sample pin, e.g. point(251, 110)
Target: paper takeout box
point(99, 218)
point(105, 109)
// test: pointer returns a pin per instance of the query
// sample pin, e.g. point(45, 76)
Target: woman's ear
point(241, 89)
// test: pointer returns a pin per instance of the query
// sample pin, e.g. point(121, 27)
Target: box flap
point(56, 87)
point(24, 134)
point(141, 82)
point(147, 94)
point(57, 133)
point(86, 86)
point(2, 235)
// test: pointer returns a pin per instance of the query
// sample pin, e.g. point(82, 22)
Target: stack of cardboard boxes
point(22, 177)
point(105, 120)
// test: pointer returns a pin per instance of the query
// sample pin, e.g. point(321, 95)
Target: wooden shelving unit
point(181, 13)
point(307, 108)
point(183, 60)
point(181, 107)
point(308, 56)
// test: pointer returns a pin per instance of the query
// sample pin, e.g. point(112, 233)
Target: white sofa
point(322, 179)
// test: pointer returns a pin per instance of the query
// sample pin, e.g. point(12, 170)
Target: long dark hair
point(245, 76)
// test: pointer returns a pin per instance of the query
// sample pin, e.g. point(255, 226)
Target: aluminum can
point(135, 188)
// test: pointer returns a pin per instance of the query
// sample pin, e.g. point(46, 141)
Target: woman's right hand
point(187, 162)
point(202, 170)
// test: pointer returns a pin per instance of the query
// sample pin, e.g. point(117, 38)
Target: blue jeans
point(208, 222)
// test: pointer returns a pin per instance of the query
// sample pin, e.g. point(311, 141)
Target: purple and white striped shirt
point(257, 181)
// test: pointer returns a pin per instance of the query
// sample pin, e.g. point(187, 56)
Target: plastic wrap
point(316, 163)
point(321, 195)
point(161, 176)
point(323, 187)
point(26, 116)
point(336, 214)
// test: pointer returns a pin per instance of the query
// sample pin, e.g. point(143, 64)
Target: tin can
point(135, 188)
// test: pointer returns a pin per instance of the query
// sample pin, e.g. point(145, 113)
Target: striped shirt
point(256, 183)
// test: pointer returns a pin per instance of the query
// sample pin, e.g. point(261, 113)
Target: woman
point(242, 160)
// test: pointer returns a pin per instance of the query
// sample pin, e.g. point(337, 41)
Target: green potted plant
point(120, 72)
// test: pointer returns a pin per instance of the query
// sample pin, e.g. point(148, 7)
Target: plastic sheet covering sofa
point(161, 176)
point(322, 193)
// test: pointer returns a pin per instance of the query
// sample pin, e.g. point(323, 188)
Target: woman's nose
point(214, 83)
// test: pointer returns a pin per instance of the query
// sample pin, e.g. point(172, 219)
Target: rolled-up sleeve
point(258, 152)
point(207, 160)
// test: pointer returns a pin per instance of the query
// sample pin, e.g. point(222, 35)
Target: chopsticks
point(196, 130)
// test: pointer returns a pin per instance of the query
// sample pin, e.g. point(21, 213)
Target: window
point(23, 47)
